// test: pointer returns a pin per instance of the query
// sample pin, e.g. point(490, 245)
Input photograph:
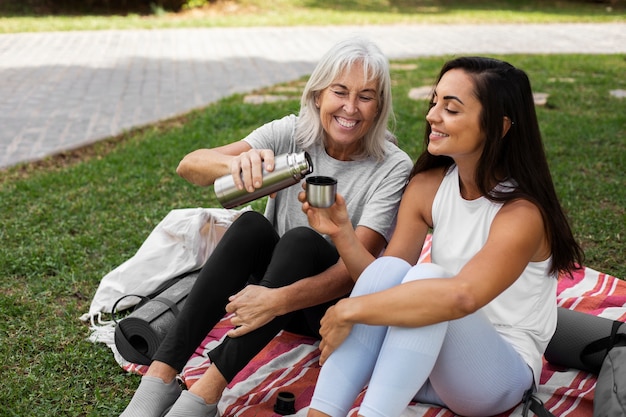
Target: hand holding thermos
point(288, 170)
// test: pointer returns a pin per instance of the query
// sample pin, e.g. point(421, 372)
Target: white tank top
point(524, 314)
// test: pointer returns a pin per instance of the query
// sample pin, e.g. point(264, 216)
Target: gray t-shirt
point(372, 189)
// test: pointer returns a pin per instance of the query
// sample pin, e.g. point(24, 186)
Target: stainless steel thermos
point(289, 169)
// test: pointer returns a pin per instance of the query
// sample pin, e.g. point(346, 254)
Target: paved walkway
point(59, 91)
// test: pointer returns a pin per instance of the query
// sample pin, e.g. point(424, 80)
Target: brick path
point(63, 90)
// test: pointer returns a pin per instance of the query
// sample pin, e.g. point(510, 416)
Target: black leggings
point(249, 252)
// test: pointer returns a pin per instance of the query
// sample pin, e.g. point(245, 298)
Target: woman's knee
point(251, 221)
point(301, 252)
point(251, 227)
point(426, 270)
point(385, 272)
point(304, 244)
point(301, 236)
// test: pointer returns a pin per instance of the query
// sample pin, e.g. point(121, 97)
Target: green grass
point(19, 18)
point(69, 220)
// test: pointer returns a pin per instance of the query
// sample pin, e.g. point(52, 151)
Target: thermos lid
point(304, 162)
point(285, 403)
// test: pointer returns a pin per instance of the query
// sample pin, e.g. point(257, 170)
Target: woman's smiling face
point(348, 109)
point(454, 118)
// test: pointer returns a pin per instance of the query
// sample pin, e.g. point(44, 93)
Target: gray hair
point(338, 59)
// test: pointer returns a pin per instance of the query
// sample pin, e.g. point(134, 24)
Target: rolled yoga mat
point(580, 340)
point(138, 336)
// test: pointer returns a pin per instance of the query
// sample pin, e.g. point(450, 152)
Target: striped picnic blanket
point(290, 361)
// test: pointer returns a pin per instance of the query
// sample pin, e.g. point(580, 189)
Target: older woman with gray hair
point(273, 271)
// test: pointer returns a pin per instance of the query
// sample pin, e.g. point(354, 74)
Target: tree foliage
point(42, 7)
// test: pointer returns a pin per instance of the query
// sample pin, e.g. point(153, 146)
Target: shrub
point(40, 7)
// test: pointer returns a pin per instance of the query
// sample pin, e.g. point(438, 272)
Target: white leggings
point(464, 364)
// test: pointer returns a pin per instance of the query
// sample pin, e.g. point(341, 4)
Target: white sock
point(192, 405)
point(152, 398)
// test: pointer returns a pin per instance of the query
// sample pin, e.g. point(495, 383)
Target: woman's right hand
point(247, 168)
point(333, 331)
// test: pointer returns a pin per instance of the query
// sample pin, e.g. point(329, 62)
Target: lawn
point(19, 17)
point(70, 219)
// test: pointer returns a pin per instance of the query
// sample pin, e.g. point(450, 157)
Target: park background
point(70, 218)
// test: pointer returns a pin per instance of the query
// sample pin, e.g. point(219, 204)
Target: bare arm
point(203, 166)
point(408, 238)
point(516, 238)
point(335, 222)
point(332, 283)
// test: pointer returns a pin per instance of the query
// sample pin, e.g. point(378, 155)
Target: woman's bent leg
point(245, 250)
point(348, 369)
point(301, 253)
point(406, 359)
point(478, 373)
point(463, 364)
point(224, 274)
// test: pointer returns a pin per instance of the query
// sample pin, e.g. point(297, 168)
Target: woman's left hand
point(333, 331)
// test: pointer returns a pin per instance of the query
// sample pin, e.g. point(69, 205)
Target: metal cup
point(320, 191)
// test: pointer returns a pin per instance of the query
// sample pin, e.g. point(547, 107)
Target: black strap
point(144, 300)
point(604, 344)
point(534, 404)
point(171, 304)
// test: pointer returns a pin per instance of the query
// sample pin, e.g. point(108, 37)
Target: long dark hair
point(519, 156)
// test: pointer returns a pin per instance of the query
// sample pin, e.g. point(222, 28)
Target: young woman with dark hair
point(468, 330)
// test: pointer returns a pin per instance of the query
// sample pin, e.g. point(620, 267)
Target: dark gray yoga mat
point(138, 336)
point(575, 331)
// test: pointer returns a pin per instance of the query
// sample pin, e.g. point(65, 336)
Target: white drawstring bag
point(180, 243)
